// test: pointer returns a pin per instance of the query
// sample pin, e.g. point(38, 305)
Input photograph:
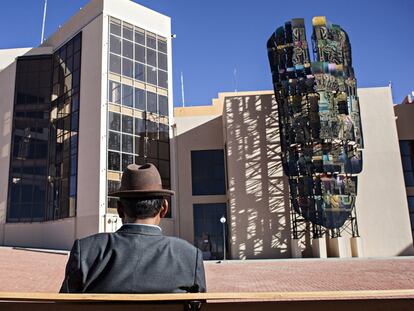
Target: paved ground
point(31, 271)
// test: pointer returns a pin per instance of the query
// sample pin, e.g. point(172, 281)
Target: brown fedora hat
point(141, 181)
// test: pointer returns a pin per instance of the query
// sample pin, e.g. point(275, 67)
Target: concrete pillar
point(339, 247)
point(296, 248)
point(356, 247)
point(319, 248)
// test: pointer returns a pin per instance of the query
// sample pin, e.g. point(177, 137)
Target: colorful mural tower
point(319, 122)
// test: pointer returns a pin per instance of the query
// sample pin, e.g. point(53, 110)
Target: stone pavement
point(33, 271)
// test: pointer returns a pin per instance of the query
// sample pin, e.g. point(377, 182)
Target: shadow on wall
point(258, 191)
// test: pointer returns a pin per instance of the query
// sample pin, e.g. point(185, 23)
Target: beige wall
point(258, 190)
point(381, 205)
point(193, 133)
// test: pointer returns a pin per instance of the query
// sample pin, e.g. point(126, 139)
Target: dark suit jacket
point(135, 259)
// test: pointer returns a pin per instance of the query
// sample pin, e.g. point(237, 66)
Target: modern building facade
point(243, 126)
point(94, 97)
point(404, 114)
point(97, 95)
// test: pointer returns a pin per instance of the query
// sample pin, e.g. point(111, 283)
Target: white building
point(105, 74)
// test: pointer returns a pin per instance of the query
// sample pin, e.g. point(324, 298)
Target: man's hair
point(141, 208)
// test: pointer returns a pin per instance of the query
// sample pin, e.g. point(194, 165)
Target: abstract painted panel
point(319, 119)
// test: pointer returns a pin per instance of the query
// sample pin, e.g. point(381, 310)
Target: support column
point(339, 247)
point(319, 248)
point(356, 247)
point(295, 248)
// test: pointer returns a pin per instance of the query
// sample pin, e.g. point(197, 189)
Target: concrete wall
point(193, 133)
point(258, 191)
point(381, 205)
point(8, 56)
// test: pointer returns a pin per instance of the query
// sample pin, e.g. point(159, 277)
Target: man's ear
point(164, 208)
point(120, 209)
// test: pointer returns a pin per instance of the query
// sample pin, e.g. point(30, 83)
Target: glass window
point(139, 53)
point(113, 185)
point(140, 72)
point(114, 141)
point(127, 143)
point(114, 121)
point(162, 61)
point(115, 64)
point(115, 45)
point(164, 132)
point(140, 160)
point(139, 145)
point(207, 171)
point(115, 27)
point(152, 75)
point(152, 130)
point(139, 36)
point(208, 230)
point(162, 45)
point(164, 150)
point(128, 49)
point(127, 95)
point(152, 149)
point(115, 92)
point(127, 124)
point(162, 79)
point(151, 57)
point(127, 159)
point(140, 102)
point(163, 104)
point(411, 204)
point(114, 160)
point(139, 127)
point(152, 102)
point(151, 41)
point(127, 31)
point(127, 68)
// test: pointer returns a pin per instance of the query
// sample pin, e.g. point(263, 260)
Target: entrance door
point(208, 230)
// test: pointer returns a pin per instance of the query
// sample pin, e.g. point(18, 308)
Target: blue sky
point(214, 37)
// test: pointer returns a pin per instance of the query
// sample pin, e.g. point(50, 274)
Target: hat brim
point(142, 193)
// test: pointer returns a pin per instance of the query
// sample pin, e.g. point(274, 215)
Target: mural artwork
point(319, 119)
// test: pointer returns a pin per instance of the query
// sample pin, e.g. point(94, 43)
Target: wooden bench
point(286, 301)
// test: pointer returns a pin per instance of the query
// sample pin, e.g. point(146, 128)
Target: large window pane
point(152, 102)
point(152, 75)
point(128, 49)
point(114, 141)
point(127, 143)
point(207, 171)
point(139, 36)
point(115, 64)
point(140, 72)
point(114, 121)
point(163, 105)
point(139, 53)
point(140, 101)
point(139, 145)
point(115, 45)
point(127, 95)
point(115, 92)
point(151, 41)
point(164, 132)
point(127, 159)
point(162, 61)
point(127, 124)
point(152, 149)
point(162, 45)
point(114, 161)
point(127, 68)
point(164, 150)
point(151, 57)
point(162, 79)
point(115, 27)
point(139, 127)
point(127, 31)
point(152, 130)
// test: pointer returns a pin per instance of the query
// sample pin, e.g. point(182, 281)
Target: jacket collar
point(140, 229)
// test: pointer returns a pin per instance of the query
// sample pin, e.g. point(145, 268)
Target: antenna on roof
point(43, 22)
point(235, 79)
point(182, 88)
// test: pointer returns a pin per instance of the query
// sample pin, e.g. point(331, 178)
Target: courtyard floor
point(38, 271)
